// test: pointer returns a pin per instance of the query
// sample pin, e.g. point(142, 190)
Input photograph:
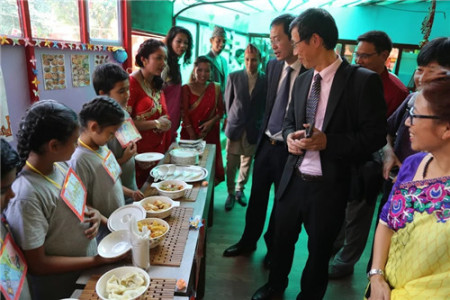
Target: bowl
point(148, 159)
point(179, 188)
point(114, 244)
point(155, 241)
point(163, 209)
point(121, 217)
point(100, 287)
point(184, 156)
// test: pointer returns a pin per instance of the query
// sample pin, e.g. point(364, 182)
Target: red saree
point(143, 107)
point(198, 109)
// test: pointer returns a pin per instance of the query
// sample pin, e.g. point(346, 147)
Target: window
point(103, 20)
point(50, 19)
point(9, 15)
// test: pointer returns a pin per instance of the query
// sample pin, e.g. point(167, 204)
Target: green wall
point(152, 16)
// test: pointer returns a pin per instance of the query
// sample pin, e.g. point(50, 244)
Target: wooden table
point(192, 268)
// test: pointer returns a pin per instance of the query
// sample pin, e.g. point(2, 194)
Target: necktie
point(279, 108)
point(311, 108)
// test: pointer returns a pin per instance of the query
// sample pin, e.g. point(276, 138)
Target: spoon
point(161, 173)
point(170, 171)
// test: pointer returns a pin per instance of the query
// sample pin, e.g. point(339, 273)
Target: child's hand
point(129, 152)
point(93, 217)
point(137, 195)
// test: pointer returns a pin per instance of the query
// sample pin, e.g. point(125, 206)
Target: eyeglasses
point(412, 115)
point(294, 44)
point(363, 55)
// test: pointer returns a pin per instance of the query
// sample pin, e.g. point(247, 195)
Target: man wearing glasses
point(372, 53)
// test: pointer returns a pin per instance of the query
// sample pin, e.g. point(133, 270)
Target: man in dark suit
point(219, 65)
point(271, 152)
point(346, 105)
point(245, 99)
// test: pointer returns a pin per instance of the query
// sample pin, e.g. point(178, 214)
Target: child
point(111, 80)
point(10, 161)
point(56, 244)
point(94, 162)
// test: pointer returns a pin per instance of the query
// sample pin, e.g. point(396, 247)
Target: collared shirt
point(296, 66)
point(252, 81)
point(394, 91)
point(311, 163)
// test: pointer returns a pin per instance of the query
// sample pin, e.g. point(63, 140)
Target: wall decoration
point(80, 70)
point(5, 126)
point(100, 59)
point(54, 71)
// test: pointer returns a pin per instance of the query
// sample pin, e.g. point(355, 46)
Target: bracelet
point(373, 272)
point(158, 124)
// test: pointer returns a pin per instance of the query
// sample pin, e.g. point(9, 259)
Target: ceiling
point(249, 7)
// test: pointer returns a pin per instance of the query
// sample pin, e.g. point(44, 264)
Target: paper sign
point(111, 166)
point(74, 194)
point(13, 269)
point(127, 133)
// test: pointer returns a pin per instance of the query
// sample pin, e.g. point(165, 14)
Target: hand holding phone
point(309, 130)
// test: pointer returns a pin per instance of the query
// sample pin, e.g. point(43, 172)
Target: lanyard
point(46, 177)
point(87, 147)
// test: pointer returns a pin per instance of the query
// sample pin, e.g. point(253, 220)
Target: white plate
point(114, 244)
point(186, 173)
point(121, 217)
point(149, 156)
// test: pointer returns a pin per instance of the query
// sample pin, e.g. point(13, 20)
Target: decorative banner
point(54, 71)
point(5, 126)
point(100, 59)
point(80, 70)
point(127, 133)
point(13, 268)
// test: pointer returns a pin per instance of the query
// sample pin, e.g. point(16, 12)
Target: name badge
point(127, 133)
point(13, 269)
point(74, 194)
point(111, 166)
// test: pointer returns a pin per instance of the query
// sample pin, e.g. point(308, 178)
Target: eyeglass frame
point(294, 44)
point(412, 115)
point(364, 55)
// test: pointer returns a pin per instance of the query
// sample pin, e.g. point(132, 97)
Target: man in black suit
point(271, 152)
point(346, 105)
point(245, 99)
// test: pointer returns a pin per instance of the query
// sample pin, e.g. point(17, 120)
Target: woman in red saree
point(147, 104)
point(202, 109)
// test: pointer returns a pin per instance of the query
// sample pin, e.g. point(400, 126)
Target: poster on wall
point(5, 124)
point(80, 70)
point(54, 71)
point(100, 59)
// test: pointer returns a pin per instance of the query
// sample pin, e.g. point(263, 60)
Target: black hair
point(199, 60)
point(253, 49)
point(437, 50)
point(437, 94)
point(285, 20)
point(106, 76)
point(45, 120)
point(379, 39)
point(172, 58)
point(10, 158)
point(103, 110)
point(145, 49)
point(318, 21)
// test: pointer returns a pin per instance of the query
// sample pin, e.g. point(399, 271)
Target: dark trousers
point(320, 207)
point(267, 170)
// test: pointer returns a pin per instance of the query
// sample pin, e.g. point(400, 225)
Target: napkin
point(140, 245)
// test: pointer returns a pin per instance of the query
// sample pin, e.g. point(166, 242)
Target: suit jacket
point(244, 111)
point(354, 123)
point(218, 74)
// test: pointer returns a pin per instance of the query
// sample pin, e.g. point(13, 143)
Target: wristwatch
point(373, 272)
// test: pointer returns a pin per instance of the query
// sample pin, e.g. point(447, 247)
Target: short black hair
point(318, 21)
point(103, 110)
point(106, 76)
point(437, 50)
point(10, 158)
point(285, 20)
point(379, 39)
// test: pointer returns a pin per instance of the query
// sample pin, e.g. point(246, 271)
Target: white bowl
point(184, 156)
point(162, 213)
point(121, 217)
point(100, 287)
point(148, 159)
point(156, 240)
point(172, 194)
point(114, 244)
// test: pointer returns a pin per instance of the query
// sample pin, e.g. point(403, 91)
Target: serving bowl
point(148, 159)
point(173, 188)
point(114, 244)
point(157, 206)
point(184, 156)
point(155, 225)
point(122, 272)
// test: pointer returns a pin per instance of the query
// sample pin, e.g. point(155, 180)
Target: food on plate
point(127, 287)
point(157, 205)
point(156, 229)
point(168, 187)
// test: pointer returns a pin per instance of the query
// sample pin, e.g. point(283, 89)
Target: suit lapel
point(258, 84)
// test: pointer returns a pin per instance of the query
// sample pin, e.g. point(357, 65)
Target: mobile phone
point(309, 130)
point(394, 172)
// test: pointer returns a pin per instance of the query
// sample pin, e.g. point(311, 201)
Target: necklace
point(425, 168)
point(146, 83)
